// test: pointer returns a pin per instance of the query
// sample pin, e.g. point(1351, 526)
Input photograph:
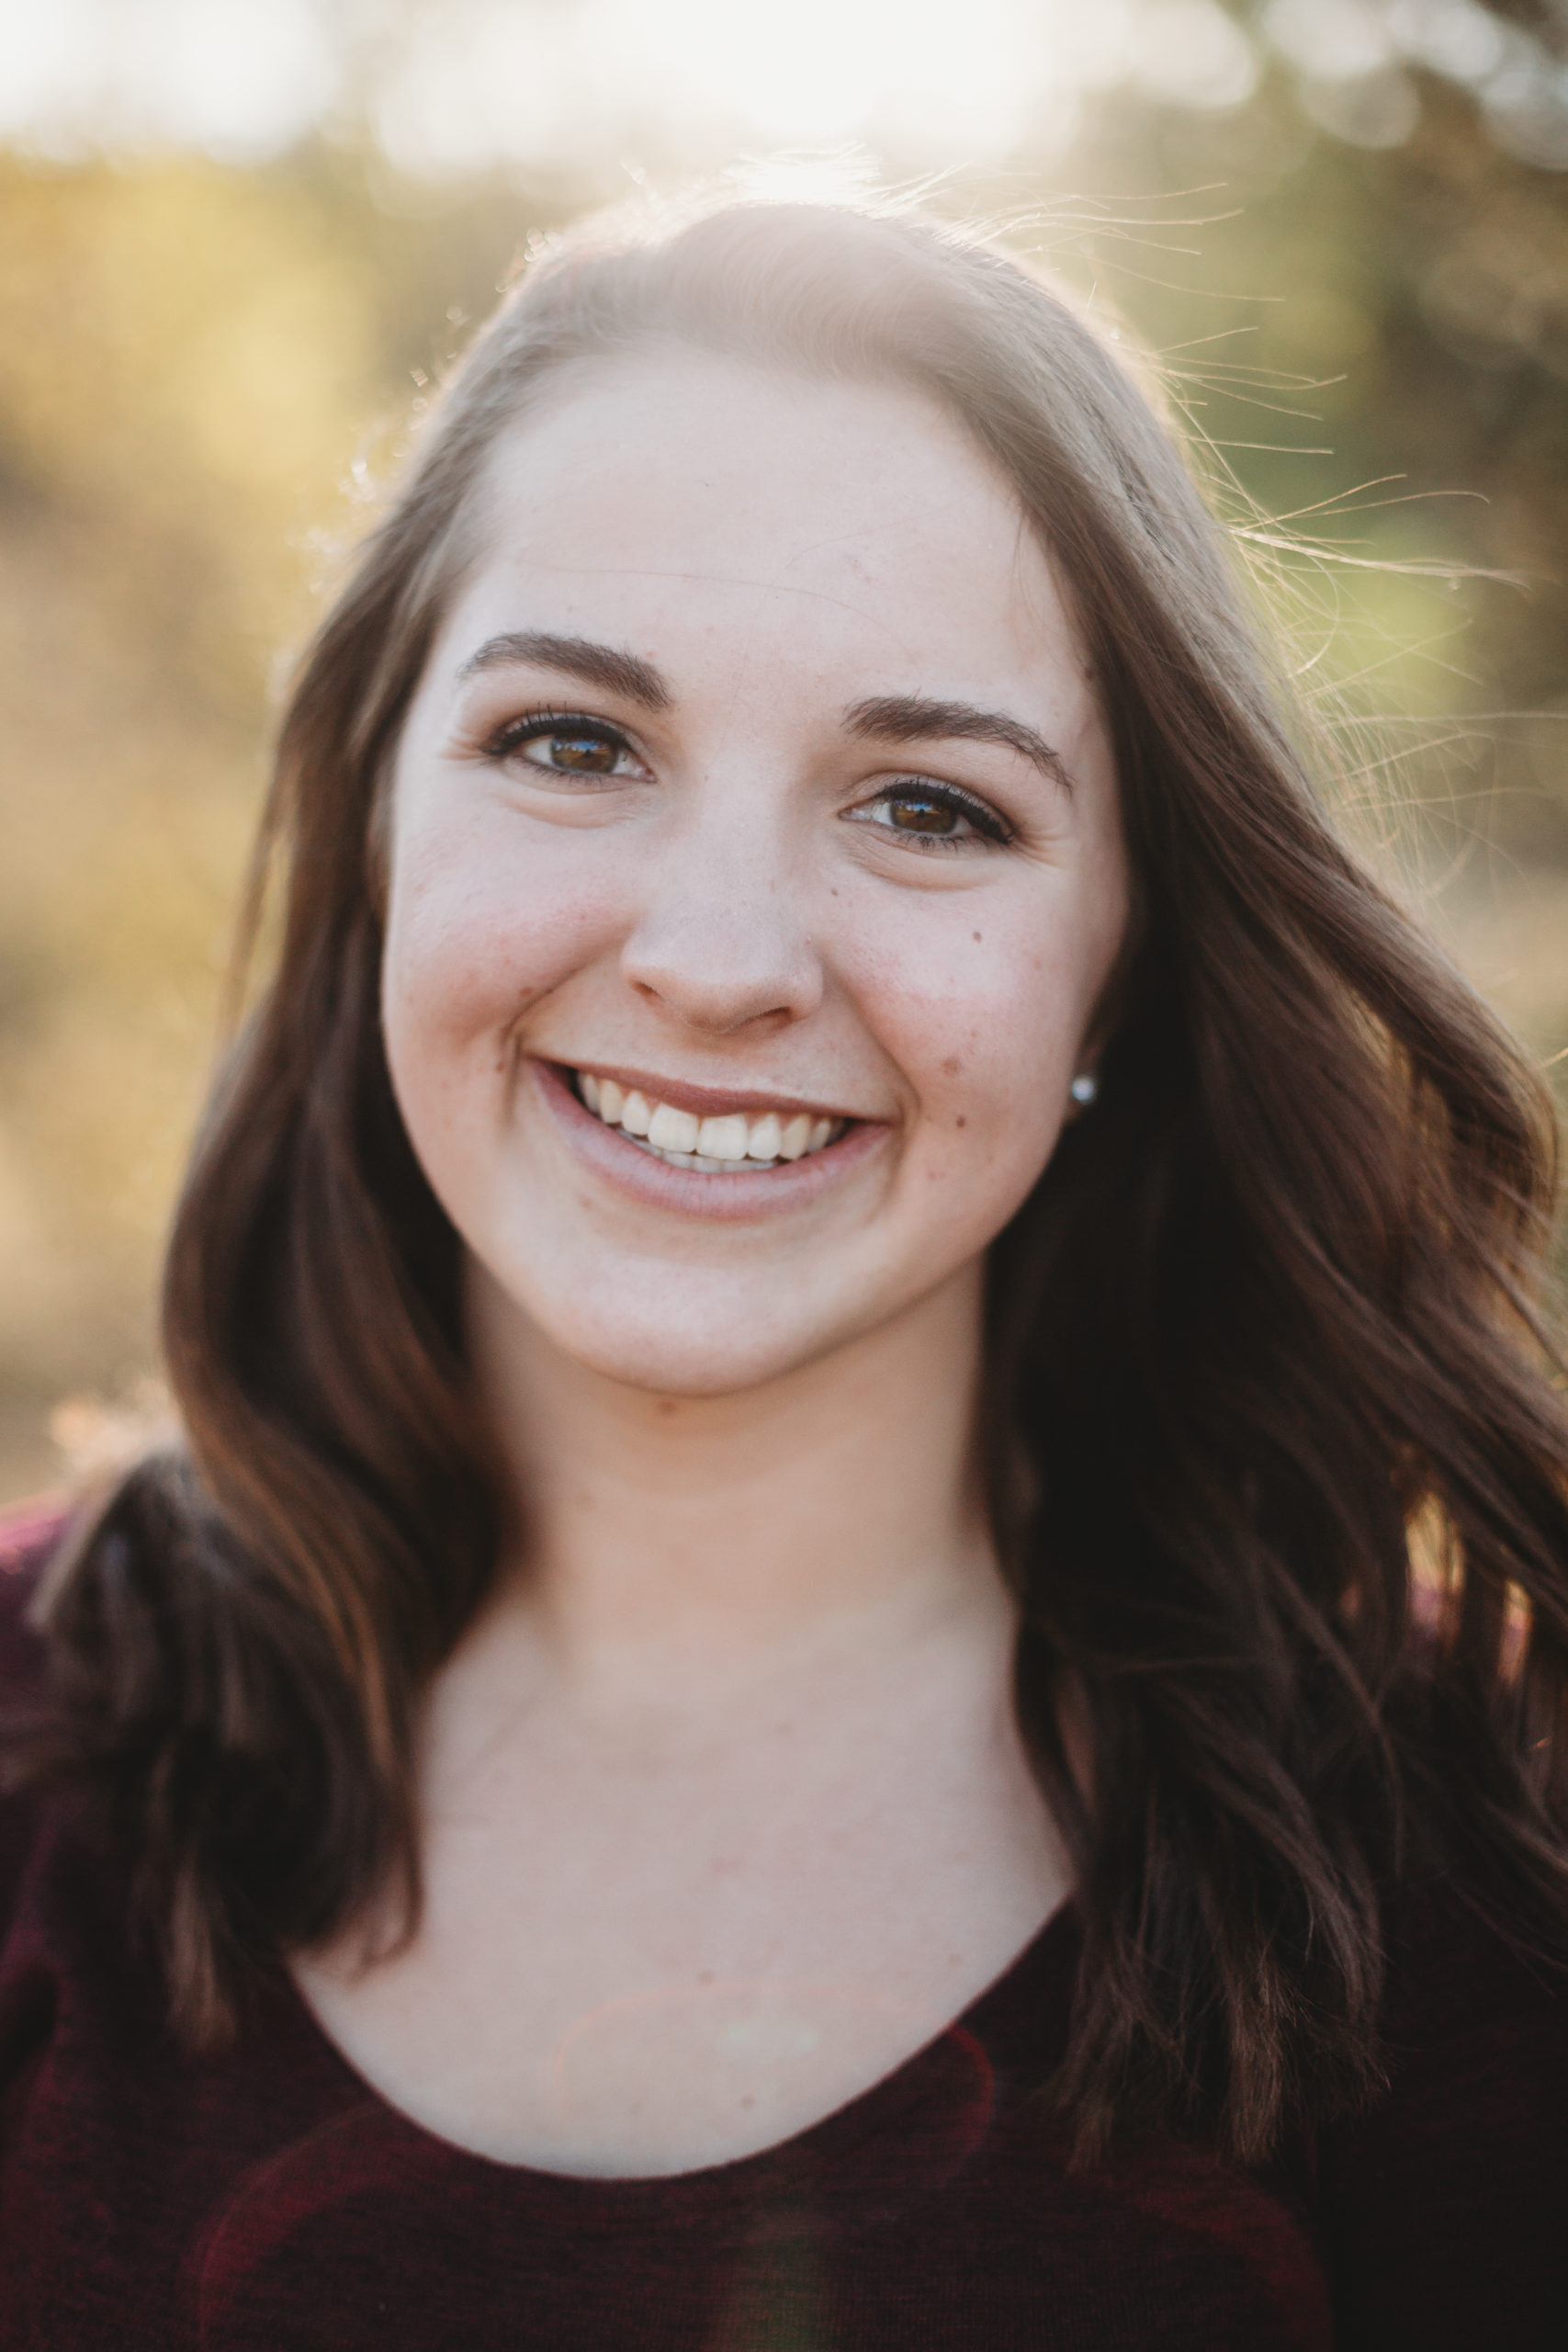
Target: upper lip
point(707, 1102)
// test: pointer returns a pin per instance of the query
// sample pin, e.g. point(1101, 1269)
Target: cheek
point(986, 1022)
point(989, 1033)
point(478, 929)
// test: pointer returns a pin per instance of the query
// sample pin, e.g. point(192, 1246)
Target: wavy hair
point(1266, 1359)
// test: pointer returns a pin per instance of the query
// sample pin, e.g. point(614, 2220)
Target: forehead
point(677, 496)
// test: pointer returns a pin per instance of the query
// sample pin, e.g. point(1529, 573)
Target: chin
point(701, 1361)
point(681, 1335)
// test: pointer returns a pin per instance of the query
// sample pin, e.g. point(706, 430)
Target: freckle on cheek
point(951, 1066)
point(976, 939)
point(961, 1121)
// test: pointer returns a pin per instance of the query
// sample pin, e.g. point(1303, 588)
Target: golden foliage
point(194, 356)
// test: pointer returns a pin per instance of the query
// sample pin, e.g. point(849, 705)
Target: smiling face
point(754, 872)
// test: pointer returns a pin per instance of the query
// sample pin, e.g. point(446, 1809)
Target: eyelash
point(979, 814)
point(512, 733)
point(528, 725)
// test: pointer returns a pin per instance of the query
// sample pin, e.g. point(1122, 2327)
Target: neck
point(678, 1542)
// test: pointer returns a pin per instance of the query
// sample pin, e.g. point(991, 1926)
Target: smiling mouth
point(732, 1143)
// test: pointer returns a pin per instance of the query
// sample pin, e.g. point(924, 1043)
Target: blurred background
point(240, 238)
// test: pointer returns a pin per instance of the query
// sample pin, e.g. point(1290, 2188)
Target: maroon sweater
point(270, 2201)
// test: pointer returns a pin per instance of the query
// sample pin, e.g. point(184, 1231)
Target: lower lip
point(790, 1184)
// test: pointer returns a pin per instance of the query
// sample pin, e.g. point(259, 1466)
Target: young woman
point(860, 1637)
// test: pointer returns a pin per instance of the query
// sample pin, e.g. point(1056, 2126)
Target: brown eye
point(933, 816)
point(917, 812)
point(579, 752)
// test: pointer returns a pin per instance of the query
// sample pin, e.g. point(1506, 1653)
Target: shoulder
point(1443, 2203)
point(31, 1534)
point(1457, 1950)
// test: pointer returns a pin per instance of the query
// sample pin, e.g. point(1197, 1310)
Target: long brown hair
point(1268, 1318)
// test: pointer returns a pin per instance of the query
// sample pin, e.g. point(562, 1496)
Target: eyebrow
point(575, 657)
point(915, 719)
point(889, 719)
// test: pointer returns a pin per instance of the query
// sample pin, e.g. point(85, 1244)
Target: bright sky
point(456, 85)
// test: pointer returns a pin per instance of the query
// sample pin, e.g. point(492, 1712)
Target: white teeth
point(719, 1145)
point(725, 1138)
point(673, 1130)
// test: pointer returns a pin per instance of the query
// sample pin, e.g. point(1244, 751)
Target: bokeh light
point(237, 238)
point(460, 86)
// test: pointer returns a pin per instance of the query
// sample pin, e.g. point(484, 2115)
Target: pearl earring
point(1084, 1088)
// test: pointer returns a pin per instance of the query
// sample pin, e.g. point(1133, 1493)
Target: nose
point(719, 942)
